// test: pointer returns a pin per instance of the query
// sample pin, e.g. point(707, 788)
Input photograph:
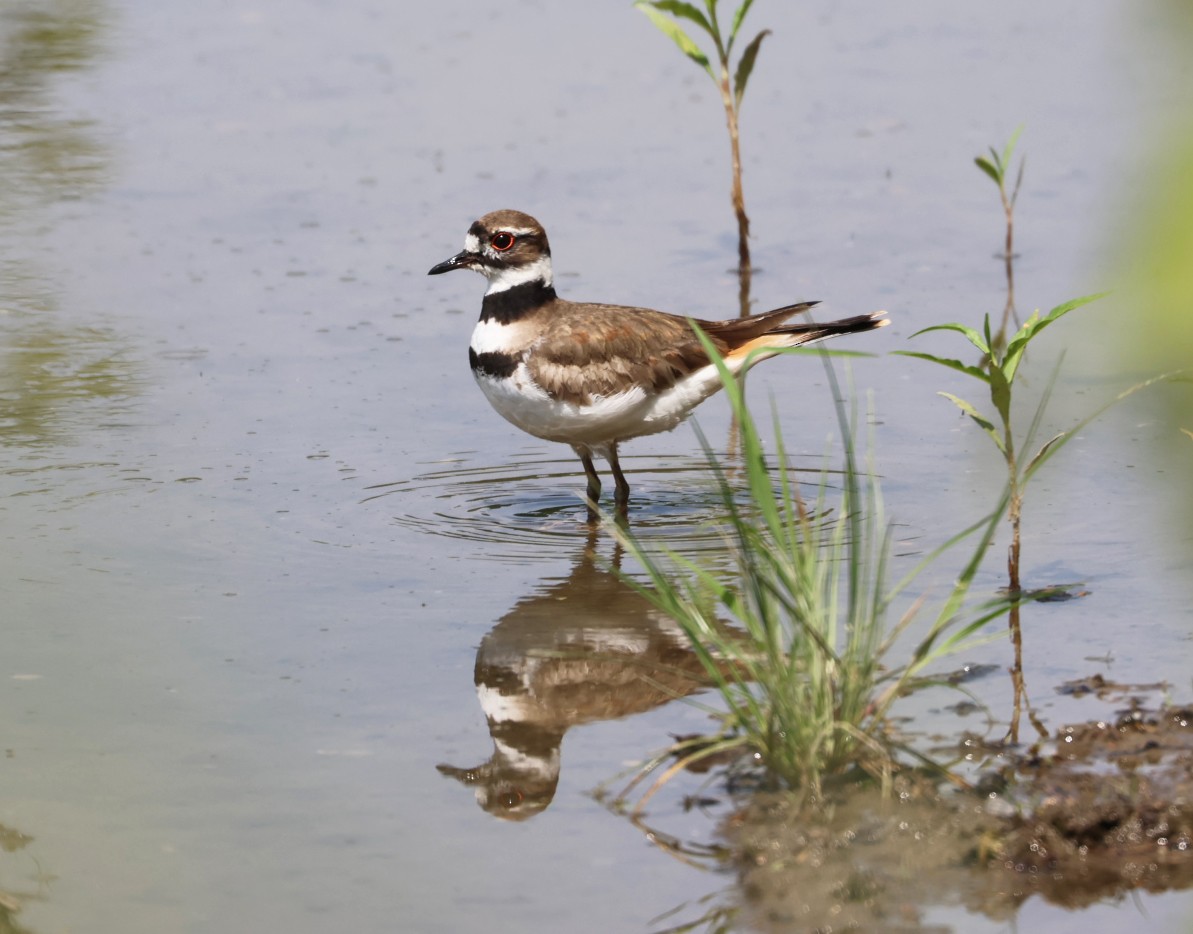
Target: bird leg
point(593, 492)
point(621, 491)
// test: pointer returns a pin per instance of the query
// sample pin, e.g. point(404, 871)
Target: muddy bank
point(1101, 809)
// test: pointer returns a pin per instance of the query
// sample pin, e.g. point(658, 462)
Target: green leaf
point(984, 423)
point(984, 164)
point(737, 21)
point(1044, 453)
point(746, 65)
point(971, 335)
point(670, 28)
point(974, 371)
point(1033, 326)
point(1018, 180)
point(680, 10)
point(1016, 347)
point(1000, 394)
point(1009, 149)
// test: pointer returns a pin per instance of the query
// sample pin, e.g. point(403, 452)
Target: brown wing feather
point(737, 331)
point(587, 351)
point(597, 350)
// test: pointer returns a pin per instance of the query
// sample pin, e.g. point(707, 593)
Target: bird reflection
point(584, 649)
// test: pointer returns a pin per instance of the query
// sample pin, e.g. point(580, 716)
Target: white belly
point(607, 419)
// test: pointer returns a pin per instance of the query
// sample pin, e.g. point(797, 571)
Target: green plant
point(731, 93)
point(997, 167)
point(998, 366)
point(810, 687)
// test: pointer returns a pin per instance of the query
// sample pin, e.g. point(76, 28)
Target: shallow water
point(257, 523)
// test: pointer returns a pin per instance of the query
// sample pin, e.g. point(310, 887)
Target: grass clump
point(801, 642)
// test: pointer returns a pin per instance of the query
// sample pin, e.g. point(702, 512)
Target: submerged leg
point(621, 492)
point(593, 491)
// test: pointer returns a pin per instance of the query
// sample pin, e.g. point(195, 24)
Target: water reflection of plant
point(49, 367)
point(810, 691)
point(49, 374)
point(997, 167)
point(46, 156)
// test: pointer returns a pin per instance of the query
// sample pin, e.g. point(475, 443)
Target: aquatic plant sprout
point(997, 367)
point(666, 15)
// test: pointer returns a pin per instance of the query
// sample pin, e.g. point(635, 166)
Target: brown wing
point(591, 350)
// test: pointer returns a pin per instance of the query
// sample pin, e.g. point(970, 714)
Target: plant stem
point(1009, 210)
point(739, 201)
point(1018, 682)
point(1013, 551)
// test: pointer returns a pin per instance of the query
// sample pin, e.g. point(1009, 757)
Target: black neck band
point(515, 303)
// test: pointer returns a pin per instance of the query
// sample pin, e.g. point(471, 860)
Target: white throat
point(507, 278)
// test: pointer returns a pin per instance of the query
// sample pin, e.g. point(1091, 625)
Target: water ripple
point(535, 502)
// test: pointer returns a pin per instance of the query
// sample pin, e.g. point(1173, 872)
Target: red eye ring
point(502, 241)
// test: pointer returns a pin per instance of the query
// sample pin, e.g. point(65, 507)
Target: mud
point(1101, 809)
point(1105, 808)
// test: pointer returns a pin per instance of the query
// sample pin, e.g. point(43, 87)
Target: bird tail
point(809, 332)
point(812, 332)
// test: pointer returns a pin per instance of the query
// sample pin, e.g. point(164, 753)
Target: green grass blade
point(1033, 429)
point(987, 522)
point(1055, 444)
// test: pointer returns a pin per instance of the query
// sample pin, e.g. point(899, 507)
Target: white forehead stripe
point(472, 244)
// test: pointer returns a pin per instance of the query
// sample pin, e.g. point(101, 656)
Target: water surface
point(258, 525)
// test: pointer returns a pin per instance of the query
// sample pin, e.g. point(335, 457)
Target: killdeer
point(593, 375)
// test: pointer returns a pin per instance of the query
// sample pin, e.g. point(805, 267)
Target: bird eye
point(502, 241)
point(511, 798)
